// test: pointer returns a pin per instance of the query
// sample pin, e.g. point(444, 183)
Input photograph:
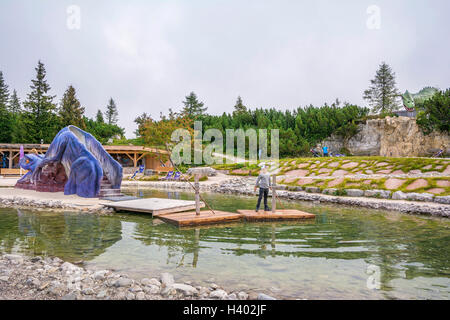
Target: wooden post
point(10, 159)
point(197, 194)
point(274, 193)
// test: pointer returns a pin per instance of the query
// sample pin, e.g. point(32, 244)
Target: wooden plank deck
point(279, 215)
point(185, 219)
point(155, 206)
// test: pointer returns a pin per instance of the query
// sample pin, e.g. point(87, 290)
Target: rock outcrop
point(390, 137)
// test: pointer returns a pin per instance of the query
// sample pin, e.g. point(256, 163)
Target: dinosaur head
point(408, 101)
point(30, 161)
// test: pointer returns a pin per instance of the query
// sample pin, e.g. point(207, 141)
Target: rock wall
point(391, 137)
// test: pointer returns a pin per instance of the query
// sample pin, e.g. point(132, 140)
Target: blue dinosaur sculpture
point(78, 156)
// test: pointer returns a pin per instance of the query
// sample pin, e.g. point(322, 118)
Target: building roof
point(109, 148)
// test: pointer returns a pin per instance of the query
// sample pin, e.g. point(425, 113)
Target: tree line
point(39, 118)
point(299, 130)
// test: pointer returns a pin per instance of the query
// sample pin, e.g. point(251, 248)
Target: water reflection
point(69, 235)
point(324, 258)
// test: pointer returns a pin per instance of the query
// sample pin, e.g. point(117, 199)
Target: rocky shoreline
point(38, 278)
point(245, 186)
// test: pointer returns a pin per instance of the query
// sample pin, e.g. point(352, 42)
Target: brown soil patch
point(333, 164)
point(381, 164)
point(335, 182)
point(393, 183)
point(297, 173)
point(303, 181)
point(289, 180)
point(338, 173)
point(436, 190)
point(443, 183)
point(350, 165)
point(419, 183)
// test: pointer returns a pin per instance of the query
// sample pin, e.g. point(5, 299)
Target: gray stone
point(140, 296)
point(100, 275)
point(203, 171)
point(442, 199)
point(167, 279)
point(312, 189)
point(263, 296)
point(102, 294)
point(218, 294)
point(232, 296)
point(354, 192)
point(14, 257)
point(151, 281)
point(152, 289)
point(4, 278)
point(131, 296)
point(242, 295)
point(329, 191)
point(186, 289)
point(399, 195)
point(123, 282)
point(420, 196)
point(88, 291)
point(70, 296)
point(384, 194)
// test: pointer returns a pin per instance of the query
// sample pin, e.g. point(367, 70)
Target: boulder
point(398, 195)
point(443, 199)
point(354, 192)
point(167, 279)
point(202, 171)
point(384, 194)
point(420, 196)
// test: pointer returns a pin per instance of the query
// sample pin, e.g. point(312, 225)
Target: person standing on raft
point(264, 184)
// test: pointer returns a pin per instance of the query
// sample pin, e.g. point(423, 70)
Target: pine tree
point(111, 112)
point(71, 112)
point(99, 117)
point(15, 107)
point(192, 107)
point(39, 120)
point(383, 93)
point(5, 115)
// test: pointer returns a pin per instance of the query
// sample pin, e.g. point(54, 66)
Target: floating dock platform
point(189, 219)
point(154, 206)
point(279, 215)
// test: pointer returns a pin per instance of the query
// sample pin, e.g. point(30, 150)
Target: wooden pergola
point(156, 159)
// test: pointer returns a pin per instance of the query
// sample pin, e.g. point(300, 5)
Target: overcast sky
point(148, 55)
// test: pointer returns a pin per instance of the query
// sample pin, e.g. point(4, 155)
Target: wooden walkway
point(185, 219)
point(279, 215)
point(154, 206)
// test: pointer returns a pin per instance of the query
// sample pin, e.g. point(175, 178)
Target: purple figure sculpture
point(76, 161)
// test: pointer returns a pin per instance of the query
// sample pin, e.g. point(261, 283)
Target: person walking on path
point(264, 183)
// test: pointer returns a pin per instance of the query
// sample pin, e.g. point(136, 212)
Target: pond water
point(345, 253)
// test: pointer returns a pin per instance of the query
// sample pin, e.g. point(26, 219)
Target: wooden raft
point(184, 219)
point(154, 206)
point(279, 215)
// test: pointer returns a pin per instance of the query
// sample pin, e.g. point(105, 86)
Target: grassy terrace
point(337, 173)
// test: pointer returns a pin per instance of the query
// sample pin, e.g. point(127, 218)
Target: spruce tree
point(192, 107)
point(5, 115)
point(111, 112)
point(38, 121)
point(383, 93)
point(99, 117)
point(71, 112)
point(239, 107)
point(15, 107)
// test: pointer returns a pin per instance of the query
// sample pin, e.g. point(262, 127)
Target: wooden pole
point(274, 193)
point(197, 194)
